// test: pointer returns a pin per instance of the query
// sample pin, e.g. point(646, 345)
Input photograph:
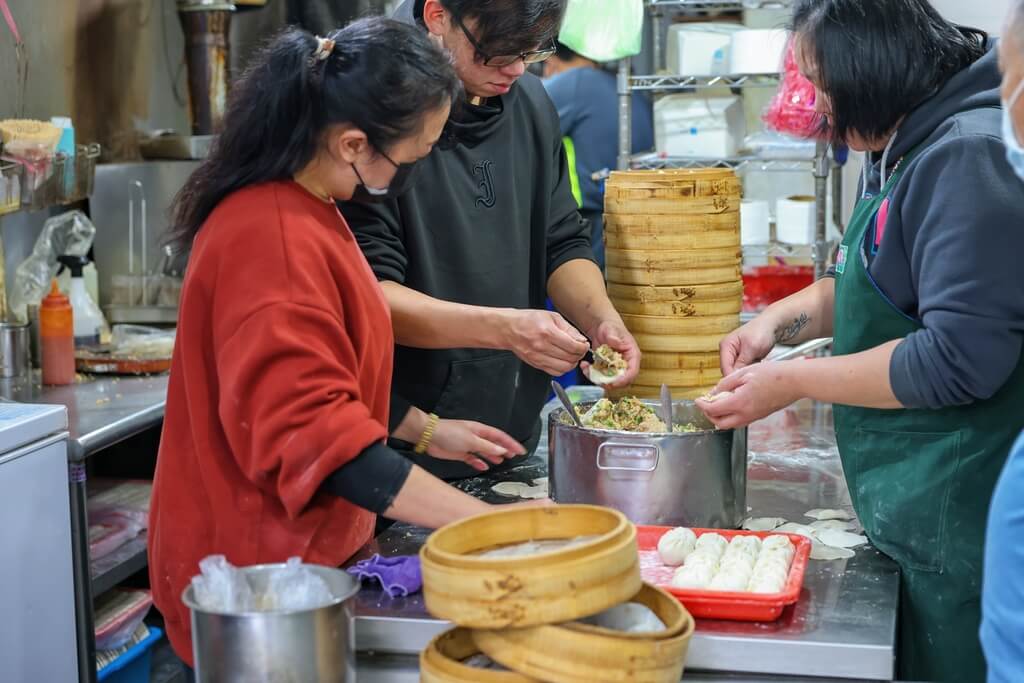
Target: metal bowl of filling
point(624, 458)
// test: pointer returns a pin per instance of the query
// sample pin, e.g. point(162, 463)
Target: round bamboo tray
point(644, 224)
point(680, 361)
point(581, 653)
point(679, 378)
point(643, 391)
point(696, 326)
point(649, 203)
point(707, 240)
point(528, 590)
point(678, 309)
point(441, 662)
point(723, 291)
point(664, 260)
point(677, 343)
point(676, 184)
point(681, 277)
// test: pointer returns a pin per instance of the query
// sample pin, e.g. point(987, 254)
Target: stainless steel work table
point(101, 412)
point(843, 627)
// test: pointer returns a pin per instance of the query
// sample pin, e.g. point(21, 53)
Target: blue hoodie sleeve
point(963, 231)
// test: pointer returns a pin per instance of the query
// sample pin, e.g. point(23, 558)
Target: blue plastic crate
point(133, 666)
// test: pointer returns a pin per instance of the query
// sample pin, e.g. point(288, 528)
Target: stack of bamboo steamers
point(523, 611)
point(673, 255)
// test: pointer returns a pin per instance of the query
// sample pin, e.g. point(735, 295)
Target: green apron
point(921, 480)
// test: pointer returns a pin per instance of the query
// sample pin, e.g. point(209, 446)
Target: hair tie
point(324, 48)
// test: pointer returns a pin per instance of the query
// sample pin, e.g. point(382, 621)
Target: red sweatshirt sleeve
point(290, 402)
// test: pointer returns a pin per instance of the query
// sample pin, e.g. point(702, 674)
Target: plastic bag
point(118, 614)
point(295, 587)
point(69, 233)
point(222, 587)
point(772, 145)
point(792, 109)
point(138, 341)
point(603, 31)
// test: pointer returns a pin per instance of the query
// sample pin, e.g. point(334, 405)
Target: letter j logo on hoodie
point(486, 197)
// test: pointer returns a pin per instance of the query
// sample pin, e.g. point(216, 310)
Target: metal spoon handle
point(666, 407)
point(569, 407)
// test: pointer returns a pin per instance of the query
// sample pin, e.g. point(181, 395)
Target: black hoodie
point(486, 223)
point(950, 251)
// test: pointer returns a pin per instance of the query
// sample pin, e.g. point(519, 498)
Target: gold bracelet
point(428, 434)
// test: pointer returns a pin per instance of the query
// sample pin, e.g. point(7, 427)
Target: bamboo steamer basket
point(678, 325)
point(679, 378)
point(541, 588)
point(671, 232)
point(665, 260)
point(723, 291)
point(680, 361)
point(582, 653)
point(677, 343)
point(678, 309)
point(685, 191)
point(441, 662)
point(673, 277)
point(644, 391)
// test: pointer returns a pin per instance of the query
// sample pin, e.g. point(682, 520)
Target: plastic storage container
point(699, 49)
point(135, 664)
point(707, 128)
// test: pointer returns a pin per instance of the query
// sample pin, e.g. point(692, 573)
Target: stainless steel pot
point(15, 349)
point(696, 479)
point(300, 646)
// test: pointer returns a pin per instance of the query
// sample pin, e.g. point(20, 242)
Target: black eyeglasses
point(531, 57)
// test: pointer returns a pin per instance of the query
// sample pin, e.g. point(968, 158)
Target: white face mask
point(1014, 149)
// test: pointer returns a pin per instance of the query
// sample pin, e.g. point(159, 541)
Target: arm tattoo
point(790, 331)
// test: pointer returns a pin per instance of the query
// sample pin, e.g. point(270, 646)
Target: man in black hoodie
point(489, 230)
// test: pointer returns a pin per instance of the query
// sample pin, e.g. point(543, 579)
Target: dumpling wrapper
point(601, 379)
point(517, 489)
point(840, 539)
point(822, 515)
point(763, 523)
point(837, 524)
point(801, 529)
point(820, 551)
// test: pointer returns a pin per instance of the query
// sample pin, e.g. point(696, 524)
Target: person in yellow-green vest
point(925, 305)
point(586, 97)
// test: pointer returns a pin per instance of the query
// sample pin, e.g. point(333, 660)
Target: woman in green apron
point(925, 302)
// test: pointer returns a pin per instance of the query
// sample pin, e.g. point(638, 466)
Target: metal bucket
point(696, 479)
point(300, 646)
point(15, 350)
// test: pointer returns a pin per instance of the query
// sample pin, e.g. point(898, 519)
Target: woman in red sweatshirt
point(274, 439)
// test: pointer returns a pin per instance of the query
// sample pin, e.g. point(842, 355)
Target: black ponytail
point(381, 77)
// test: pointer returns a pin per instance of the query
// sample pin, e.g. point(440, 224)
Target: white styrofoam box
point(795, 220)
point(699, 49)
point(693, 126)
point(758, 51)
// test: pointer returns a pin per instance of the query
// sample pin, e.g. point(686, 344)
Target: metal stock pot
point(696, 479)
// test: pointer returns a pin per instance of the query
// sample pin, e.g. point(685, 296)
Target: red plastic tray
point(705, 604)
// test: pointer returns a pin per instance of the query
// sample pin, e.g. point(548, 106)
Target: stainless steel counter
point(101, 410)
point(843, 628)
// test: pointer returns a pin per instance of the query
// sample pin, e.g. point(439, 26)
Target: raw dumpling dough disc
point(763, 523)
point(821, 515)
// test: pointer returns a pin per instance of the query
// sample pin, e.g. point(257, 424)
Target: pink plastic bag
point(792, 109)
point(118, 614)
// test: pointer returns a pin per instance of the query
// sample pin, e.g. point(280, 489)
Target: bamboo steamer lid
point(441, 662)
point(677, 343)
point(679, 378)
point(722, 291)
point(581, 653)
point(679, 309)
point(685, 191)
point(644, 391)
point(678, 277)
point(671, 260)
point(528, 590)
point(680, 361)
point(695, 325)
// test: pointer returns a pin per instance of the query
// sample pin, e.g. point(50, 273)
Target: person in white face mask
point(1002, 595)
point(1011, 60)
